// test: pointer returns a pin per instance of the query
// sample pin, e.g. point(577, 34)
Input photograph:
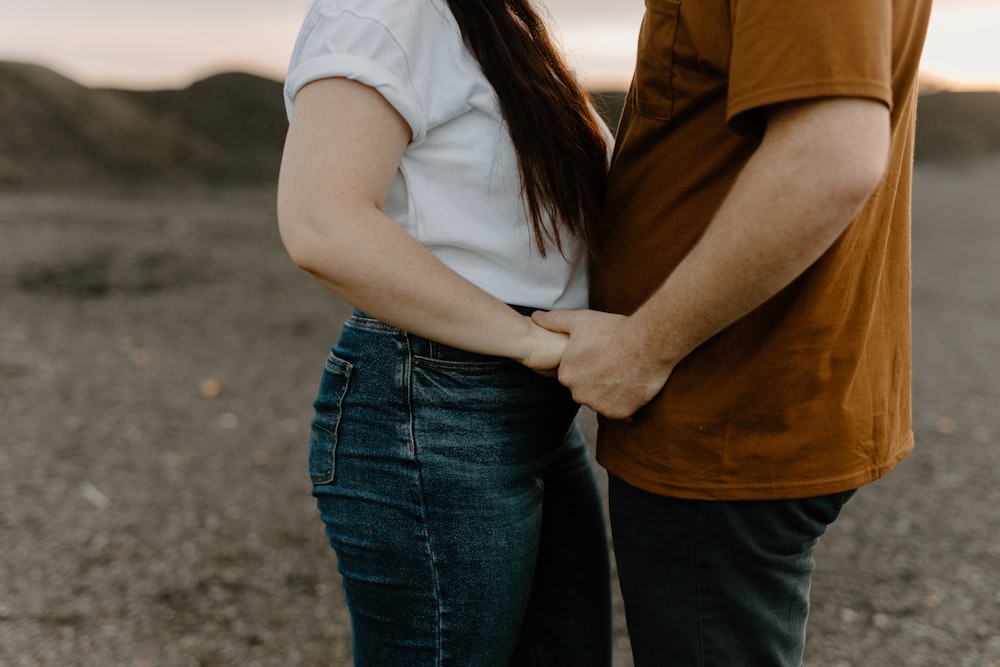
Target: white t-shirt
point(458, 188)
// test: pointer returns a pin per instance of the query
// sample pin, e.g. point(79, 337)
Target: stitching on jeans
point(407, 388)
point(370, 323)
point(473, 367)
point(432, 561)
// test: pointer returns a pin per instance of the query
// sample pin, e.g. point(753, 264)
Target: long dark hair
point(560, 149)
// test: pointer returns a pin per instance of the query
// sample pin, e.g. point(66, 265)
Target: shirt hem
point(642, 478)
point(847, 88)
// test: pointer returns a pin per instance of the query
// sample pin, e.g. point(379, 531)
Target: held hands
point(544, 349)
point(604, 363)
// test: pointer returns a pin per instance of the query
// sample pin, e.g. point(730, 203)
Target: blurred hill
point(229, 129)
point(957, 125)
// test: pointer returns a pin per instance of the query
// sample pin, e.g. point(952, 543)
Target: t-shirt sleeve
point(787, 50)
point(339, 43)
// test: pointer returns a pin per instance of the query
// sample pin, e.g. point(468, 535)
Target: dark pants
point(716, 584)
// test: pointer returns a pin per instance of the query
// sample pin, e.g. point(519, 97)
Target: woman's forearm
point(375, 266)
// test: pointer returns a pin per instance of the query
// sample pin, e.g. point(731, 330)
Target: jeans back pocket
point(326, 421)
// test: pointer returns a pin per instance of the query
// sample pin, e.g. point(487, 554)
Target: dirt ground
point(158, 357)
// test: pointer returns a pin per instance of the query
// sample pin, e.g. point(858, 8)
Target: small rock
point(140, 356)
point(210, 387)
point(94, 496)
point(945, 425)
point(848, 615)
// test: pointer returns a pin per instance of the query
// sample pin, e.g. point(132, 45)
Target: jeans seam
point(407, 387)
point(435, 575)
point(425, 522)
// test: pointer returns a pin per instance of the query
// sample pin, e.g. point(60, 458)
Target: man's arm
point(816, 166)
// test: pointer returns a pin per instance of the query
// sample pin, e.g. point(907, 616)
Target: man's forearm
point(814, 170)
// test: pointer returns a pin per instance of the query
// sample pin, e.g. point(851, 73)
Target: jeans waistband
point(426, 347)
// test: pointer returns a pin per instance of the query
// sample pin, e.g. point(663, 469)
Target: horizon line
point(929, 81)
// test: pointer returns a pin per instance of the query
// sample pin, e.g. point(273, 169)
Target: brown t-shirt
point(810, 393)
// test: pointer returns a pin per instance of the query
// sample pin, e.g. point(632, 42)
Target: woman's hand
point(544, 350)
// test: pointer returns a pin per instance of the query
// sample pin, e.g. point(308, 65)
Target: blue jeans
point(459, 497)
point(716, 584)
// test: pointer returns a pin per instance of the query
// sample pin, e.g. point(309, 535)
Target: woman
point(442, 174)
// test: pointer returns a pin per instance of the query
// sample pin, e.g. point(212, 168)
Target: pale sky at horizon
point(169, 43)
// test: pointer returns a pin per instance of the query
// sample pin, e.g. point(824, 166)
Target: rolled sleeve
point(342, 44)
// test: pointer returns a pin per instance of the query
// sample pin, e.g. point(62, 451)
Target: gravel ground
point(158, 355)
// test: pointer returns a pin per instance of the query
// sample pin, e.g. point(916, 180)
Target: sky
point(170, 43)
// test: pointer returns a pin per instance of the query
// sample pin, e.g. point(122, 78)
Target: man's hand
point(605, 364)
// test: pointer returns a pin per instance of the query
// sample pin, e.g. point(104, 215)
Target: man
point(752, 363)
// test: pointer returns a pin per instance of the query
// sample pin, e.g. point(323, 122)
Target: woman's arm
point(344, 145)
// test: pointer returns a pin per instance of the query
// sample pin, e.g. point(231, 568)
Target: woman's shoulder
point(423, 32)
point(399, 17)
point(411, 50)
